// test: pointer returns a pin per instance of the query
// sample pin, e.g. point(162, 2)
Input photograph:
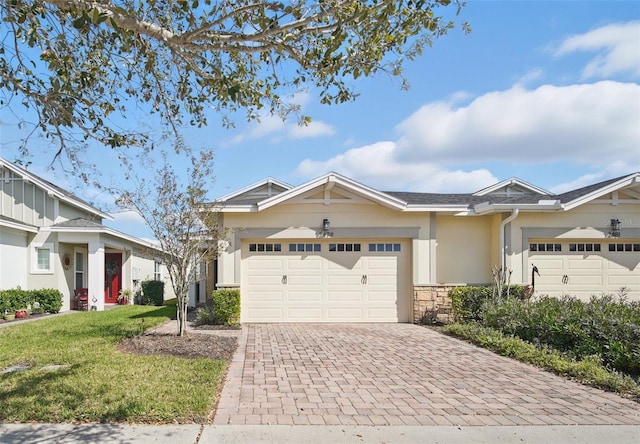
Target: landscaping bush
point(606, 326)
point(469, 302)
point(152, 293)
point(226, 306)
point(50, 300)
point(14, 299)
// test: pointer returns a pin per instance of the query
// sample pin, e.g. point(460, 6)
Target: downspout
point(503, 224)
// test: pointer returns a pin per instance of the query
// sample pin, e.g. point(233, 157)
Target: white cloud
point(273, 126)
point(128, 216)
point(618, 47)
point(550, 123)
point(376, 166)
point(313, 129)
point(594, 125)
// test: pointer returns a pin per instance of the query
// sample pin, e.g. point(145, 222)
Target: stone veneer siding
point(432, 304)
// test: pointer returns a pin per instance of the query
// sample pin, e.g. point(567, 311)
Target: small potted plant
point(21, 314)
point(124, 296)
point(9, 315)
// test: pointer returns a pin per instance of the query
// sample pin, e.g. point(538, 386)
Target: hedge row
point(606, 326)
point(49, 299)
point(468, 303)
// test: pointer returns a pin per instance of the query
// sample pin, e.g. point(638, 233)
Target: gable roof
point(53, 189)
point(82, 225)
point(521, 195)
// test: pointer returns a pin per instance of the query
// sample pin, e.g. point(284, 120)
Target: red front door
point(112, 277)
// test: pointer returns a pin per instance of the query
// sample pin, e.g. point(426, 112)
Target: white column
point(95, 278)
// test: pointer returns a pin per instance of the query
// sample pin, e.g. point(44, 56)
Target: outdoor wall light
point(326, 225)
point(615, 228)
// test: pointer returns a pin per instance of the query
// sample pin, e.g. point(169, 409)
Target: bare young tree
point(180, 219)
point(84, 66)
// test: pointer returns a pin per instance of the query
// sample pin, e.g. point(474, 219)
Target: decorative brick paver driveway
point(397, 374)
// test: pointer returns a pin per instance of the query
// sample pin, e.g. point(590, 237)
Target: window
point(384, 247)
point(79, 269)
point(157, 272)
point(584, 247)
point(305, 248)
point(267, 247)
point(545, 247)
point(42, 261)
point(624, 247)
point(344, 247)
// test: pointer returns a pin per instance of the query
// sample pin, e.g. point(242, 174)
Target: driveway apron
point(397, 374)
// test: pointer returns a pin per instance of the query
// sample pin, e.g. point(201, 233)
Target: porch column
point(95, 278)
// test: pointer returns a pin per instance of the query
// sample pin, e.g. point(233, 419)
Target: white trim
point(511, 182)
point(353, 186)
point(269, 181)
point(615, 186)
point(103, 230)
point(16, 225)
point(34, 258)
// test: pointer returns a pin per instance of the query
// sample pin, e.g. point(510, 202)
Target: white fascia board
point(18, 226)
point(27, 176)
point(626, 181)
point(104, 230)
point(511, 181)
point(437, 208)
point(332, 179)
point(543, 205)
point(238, 209)
point(255, 185)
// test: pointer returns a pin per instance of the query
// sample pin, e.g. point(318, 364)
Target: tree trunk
point(181, 307)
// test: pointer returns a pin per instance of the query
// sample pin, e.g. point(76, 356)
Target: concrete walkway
point(397, 374)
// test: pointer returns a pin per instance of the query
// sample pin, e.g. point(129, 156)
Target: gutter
point(503, 224)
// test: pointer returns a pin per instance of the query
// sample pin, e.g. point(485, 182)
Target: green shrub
point(50, 300)
point(152, 293)
point(205, 316)
point(469, 302)
point(606, 326)
point(226, 306)
point(589, 370)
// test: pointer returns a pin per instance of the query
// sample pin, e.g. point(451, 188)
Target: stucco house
point(335, 250)
point(50, 238)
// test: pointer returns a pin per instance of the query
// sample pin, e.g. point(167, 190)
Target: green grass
point(588, 371)
point(99, 383)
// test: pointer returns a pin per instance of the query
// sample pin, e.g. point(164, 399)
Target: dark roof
point(470, 200)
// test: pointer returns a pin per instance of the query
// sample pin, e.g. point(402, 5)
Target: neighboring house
point(50, 238)
point(333, 249)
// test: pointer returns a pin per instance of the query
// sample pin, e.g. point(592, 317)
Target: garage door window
point(545, 247)
point(265, 247)
point(624, 247)
point(383, 247)
point(584, 247)
point(316, 248)
point(345, 247)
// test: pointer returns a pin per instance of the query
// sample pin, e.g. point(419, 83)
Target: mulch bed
point(191, 346)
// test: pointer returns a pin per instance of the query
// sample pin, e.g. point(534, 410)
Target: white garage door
point(586, 268)
point(325, 281)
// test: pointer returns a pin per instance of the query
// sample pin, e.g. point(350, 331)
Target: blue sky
point(547, 91)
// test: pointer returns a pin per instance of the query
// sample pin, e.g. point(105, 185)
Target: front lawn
point(76, 373)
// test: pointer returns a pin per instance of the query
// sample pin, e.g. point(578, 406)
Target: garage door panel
point(304, 314)
point(325, 286)
point(586, 273)
point(345, 314)
point(345, 295)
point(312, 295)
point(380, 315)
point(265, 314)
point(585, 264)
point(265, 296)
